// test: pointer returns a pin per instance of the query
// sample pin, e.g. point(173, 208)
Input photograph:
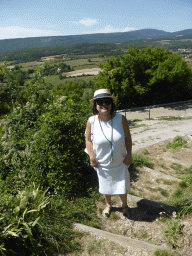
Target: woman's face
point(104, 105)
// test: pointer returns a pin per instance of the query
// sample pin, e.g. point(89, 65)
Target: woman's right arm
point(89, 146)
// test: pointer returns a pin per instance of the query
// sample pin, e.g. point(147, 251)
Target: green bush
point(46, 146)
point(58, 156)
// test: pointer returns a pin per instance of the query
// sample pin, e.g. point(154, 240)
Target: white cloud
point(10, 32)
point(88, 22)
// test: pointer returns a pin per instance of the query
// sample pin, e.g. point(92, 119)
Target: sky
point(35, 18)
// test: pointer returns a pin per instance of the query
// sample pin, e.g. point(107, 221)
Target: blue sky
point(34, 18)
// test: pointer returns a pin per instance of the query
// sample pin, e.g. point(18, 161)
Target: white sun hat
point(102, 93)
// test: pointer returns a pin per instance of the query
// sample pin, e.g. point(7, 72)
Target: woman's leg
point(108, 204)
point(123, 198)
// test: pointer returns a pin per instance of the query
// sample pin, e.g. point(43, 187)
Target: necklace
point(110, 141)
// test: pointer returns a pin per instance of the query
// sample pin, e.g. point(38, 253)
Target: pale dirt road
point(156, 131)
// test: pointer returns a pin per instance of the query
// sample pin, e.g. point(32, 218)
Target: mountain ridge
point(99, 38)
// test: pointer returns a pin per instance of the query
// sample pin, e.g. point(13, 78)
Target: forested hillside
point(104, 38)
point(15, 44)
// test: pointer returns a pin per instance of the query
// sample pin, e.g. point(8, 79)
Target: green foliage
point(173, 232)
point(139, 160)
point(20, 221)
point(36, 53)
point(145, 151)
point(33, 223)
point(145, 77)
point(45, 146)
point(12, 92)
point(72, 88)
point(165, 253)
point(43, 140)
point(177, 143)
point(52, 70)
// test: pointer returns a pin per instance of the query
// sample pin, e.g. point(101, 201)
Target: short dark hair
point(95, 111)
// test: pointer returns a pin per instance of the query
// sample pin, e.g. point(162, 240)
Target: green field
point(77, 64)
point(54, 79)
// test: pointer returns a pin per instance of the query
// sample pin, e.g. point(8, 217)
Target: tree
point(145, 77)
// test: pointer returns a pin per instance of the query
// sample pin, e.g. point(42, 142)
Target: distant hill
point(36, 42)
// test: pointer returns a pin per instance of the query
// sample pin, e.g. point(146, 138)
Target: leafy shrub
point(43, 140)
point(72, 88)
point(45, 146)
point(58, 156)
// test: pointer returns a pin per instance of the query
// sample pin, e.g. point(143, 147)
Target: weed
point(173, 232)
point(145, 152)
point(151, 189)
point(95, 247)
point(176, 167)
point(177, 143)
point(137, 126)
point(178, 193)
point(185, 209)
point(183, 184)
point(163, 192)
point(101, 199)
point(188, 170)
point(170, 118)
point(131, 192)
point(165, 253)
point(139, 160)
point(136, 120)
point(163, 166)
point(169, 182)
point(114, 216)
point(141, 234)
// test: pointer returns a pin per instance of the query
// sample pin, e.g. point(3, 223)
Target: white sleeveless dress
point(113, 174)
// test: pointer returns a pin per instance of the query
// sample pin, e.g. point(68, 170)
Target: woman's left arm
point(128, 141)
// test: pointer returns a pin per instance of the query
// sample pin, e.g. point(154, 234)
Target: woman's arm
point(89, 146)
point(128, 141)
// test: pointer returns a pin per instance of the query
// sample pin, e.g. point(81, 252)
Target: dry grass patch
point(91, 246)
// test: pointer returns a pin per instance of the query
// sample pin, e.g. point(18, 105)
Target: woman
point(109, 146)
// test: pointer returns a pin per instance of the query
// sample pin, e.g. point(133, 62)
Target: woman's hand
point(94, 162)
point(127, 160)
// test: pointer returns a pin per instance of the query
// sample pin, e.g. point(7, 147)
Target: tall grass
point(177, 143)
point(140, 161)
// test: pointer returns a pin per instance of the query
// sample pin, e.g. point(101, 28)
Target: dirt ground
point(143, 224)
point(150, 141)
